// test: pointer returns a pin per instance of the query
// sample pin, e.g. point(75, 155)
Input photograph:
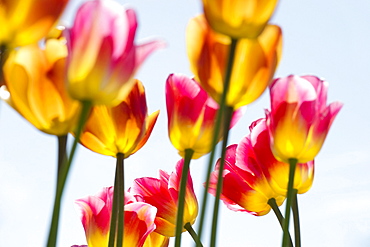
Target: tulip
point(191, 115)
point(245, 186)
point(124, 128)
point(25, 22)
point(103, 56)
point(254, 62)
point(163, 194)
point(156, 240)
point(239, 18)
point(35, 87)
point(277, 172)
point(96, 213)
point(299, 119)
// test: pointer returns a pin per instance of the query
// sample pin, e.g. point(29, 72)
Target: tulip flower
point(245, 186)
point(124, 128)
point(277, 172)
point(96, 213)
point(239, 18)
point(254, 62)
point(299, 119)
point(163, 194)
point(191, 115)
point(103, 56)
point(156, 240)
point(26, 22)
point(35, 87)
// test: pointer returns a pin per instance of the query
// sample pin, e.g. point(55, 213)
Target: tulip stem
point(215, 139)
point(228, 116)
point(181, 198)
point(3, 55)
point(113, 219)
point(297, 228)
point(63, 170)
point(279, 216)
point(193, 234)
point(62, 151)
point(121, 198)
point(292, 166)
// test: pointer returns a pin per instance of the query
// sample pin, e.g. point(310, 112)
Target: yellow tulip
point(254, 63)
point(124, 128)
point(239, 18)
point(35, 86)
point(24, 22)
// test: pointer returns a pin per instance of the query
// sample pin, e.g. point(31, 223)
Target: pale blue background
point(328, 38)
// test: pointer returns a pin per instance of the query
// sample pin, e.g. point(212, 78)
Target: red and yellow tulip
point(96, 213)
point(124, 128)
point(299, 119)
point(245, 186)
point(277, 172)
point(191, 115)
point(163, 194)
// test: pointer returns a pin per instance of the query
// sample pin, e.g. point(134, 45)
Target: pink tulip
point(103, 57)
point(163, 194)
point(96, 214)
point(191, 115)
point(299, 119)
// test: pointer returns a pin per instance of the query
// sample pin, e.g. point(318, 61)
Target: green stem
point(292, 166)
point(216, 135)
point(193, 234)
point(297, 228)
point(63, 173)
point(181, 198)
point(3, 56)
point(62, 151)
point(113, 221)
point(228, 117)
point(121, 199)
point(279, 216)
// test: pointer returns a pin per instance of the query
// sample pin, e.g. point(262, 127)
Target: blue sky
point(329, 39)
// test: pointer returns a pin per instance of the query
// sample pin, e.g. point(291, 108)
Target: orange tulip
point(239, 18)
point(24, 22)
point(253, 66)
point(35, 87)
point(124, 128)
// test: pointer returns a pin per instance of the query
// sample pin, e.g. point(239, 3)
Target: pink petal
point(140, 219)
point(144, 50)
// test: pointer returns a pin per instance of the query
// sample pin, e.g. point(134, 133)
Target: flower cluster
point(81, 80)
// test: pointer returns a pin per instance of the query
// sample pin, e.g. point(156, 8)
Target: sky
point(329, 39)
